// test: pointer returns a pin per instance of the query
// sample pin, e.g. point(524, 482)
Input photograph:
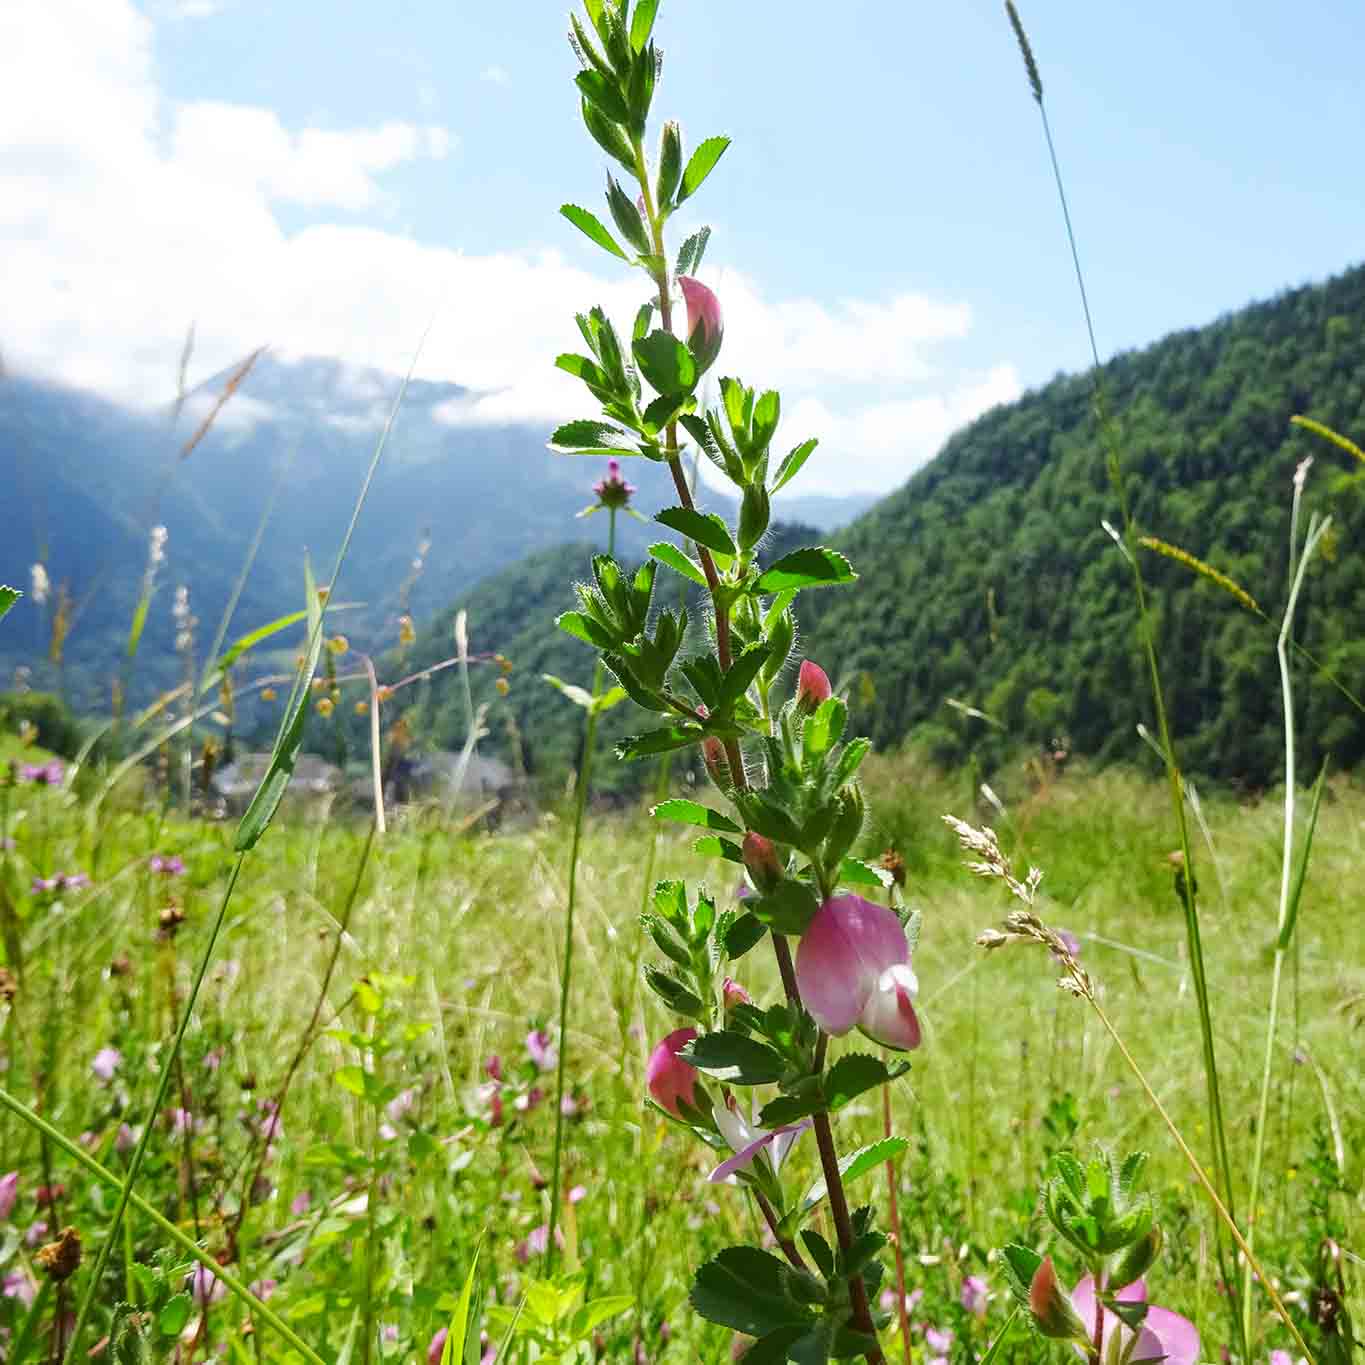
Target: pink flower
point(1163, 1336)
point(613, 491)
point(853, 969)
point(705, 328)
point(542, 1053)
point(1071, 942)
point(301, 1203)
point(401, 1105)
point(123, 1139)
point(438, 1344)
point(493, 1067)
point(205, 1286)
point(167, 865)
point(938, 1340)
point(974, 1295)
point(747, 1140)
point(812, 686)
point(106, 1063)
point(9, 1192)
point(578, 1194)
point(17, 1285)
point(263, 1289)
point(671, 1080)
point(36, 1234)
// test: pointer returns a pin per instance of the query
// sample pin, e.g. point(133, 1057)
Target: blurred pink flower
point(493, 1067)
point(17, 1285)
point(438, 1344)
point(9, 1192)
point(301, 1203)
point(106, 1063)
point(612, 490)
point(853, 969)
point(671, 1080)
point(973, 1295)
point(578, 1194)
point(732, 994)
point(540, 1049)
point(205, 1286)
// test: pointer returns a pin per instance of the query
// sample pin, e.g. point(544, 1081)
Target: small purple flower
point(302, 1202)
point(205, 1286)
point(974, 1295)
point(42, 885)
point(17, 1285)
point(168, 865)
point(543, 1054)
point(493, 1067)
point(182, 1122)
point(124, 1139)
point(578, 1194)
point(36, 1233)
point(401, 1105)
point(9, 1192)
point(938, 1339)
point(437, 1346)
point(1071, 942)
point(263, 1289)
point(106, 1062)
point(43, 774)
point(612, 490)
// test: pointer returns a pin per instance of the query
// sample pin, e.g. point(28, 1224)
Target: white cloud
point(123, 217)
point(495, 75)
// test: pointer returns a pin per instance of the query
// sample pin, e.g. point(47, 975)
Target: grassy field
point(371, 995)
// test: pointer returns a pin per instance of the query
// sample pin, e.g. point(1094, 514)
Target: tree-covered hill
point(990, 579)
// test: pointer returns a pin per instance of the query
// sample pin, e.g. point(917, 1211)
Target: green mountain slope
point(989, 578)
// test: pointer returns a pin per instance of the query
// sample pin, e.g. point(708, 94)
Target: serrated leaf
point(691, 252)
point(586, 437)
point(745, 1289)
point(742, 672)
point(735, 1058)
point(694, 813)
point(856, 1164)
point(582, 627)
point(855, 872)
point(713, 846)
point(788, 909)
point(1021, 1264)
point(679, 562)
point(626, 215)
point(742, 935)
point(854, 1074)
point(706, 528)
point(700, 164)
point(812, 567)
point(589, 225)
point(8, 597)
point(666, 362)
point(792, 462)
point(659, 741)
point(175, 1315)
point(603, 95)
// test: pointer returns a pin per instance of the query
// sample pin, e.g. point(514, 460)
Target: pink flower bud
point(705, 329)
point(812, 687)
point(672, 1081)
point(437, 1346)
point(1051, 1306)
point(9, 1192)
point(761, 862)
point(732, 994)
point(853, 970)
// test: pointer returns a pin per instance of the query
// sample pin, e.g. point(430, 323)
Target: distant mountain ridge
point(88, 478)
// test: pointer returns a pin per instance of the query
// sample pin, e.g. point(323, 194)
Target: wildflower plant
point(782, 766)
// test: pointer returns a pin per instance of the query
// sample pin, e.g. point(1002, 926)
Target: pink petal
point(1178, 1336)
point(669, 1078)
point(889, 1016)
point(845, 949)
point(745, 1155)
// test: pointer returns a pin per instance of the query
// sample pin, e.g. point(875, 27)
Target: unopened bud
point(1051, 1306)
point(1139, 1257)
point(755, 510)
point(732, 994)
point(761, 863)
point(812, 687)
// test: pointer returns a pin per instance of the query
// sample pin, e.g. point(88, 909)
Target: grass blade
point(454, 1351)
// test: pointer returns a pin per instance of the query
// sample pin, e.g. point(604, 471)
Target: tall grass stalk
point(1214, 1098)
point(283, 760)
point(1288, 890)
point(581, 786)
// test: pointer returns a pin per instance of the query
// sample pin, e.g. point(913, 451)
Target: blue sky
point(887, 242)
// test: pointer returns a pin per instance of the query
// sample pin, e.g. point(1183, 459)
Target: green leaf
point(824, 728)
point(743, 934)
point(613, 696)
point(858, 873)
point(289, 740)
point(1296, 890)
point(666, 362)
point(607, 135)
point(773, 1348)
point(588, 224)
point(735, 1058)
point(597, 1311)
point(700, 164)
point(453, 1352)
point(8, 597)
point(642, 25)
point(691, 252)
point(626, 216)
point(746, 1290)
point(856, 1164)
point(603, 95)
point(175, 1315)
point(856, 1073)
point(713, 846)
point(791, 464)
point(580, 696)
point(659, 741)
point(813, 567)
point(742, 672)
point(694, 813)
point(670, 166)
point(1020, 1264)
point(587, 437)
point(582, 627)
point(788, 909)
point(706, 528)
point(240, 646)
point(679, 562)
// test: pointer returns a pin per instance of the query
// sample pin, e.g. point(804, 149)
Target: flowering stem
point(789, 1248)
point(566, 977)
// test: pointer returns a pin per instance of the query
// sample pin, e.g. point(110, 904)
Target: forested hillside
point(989, 578)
